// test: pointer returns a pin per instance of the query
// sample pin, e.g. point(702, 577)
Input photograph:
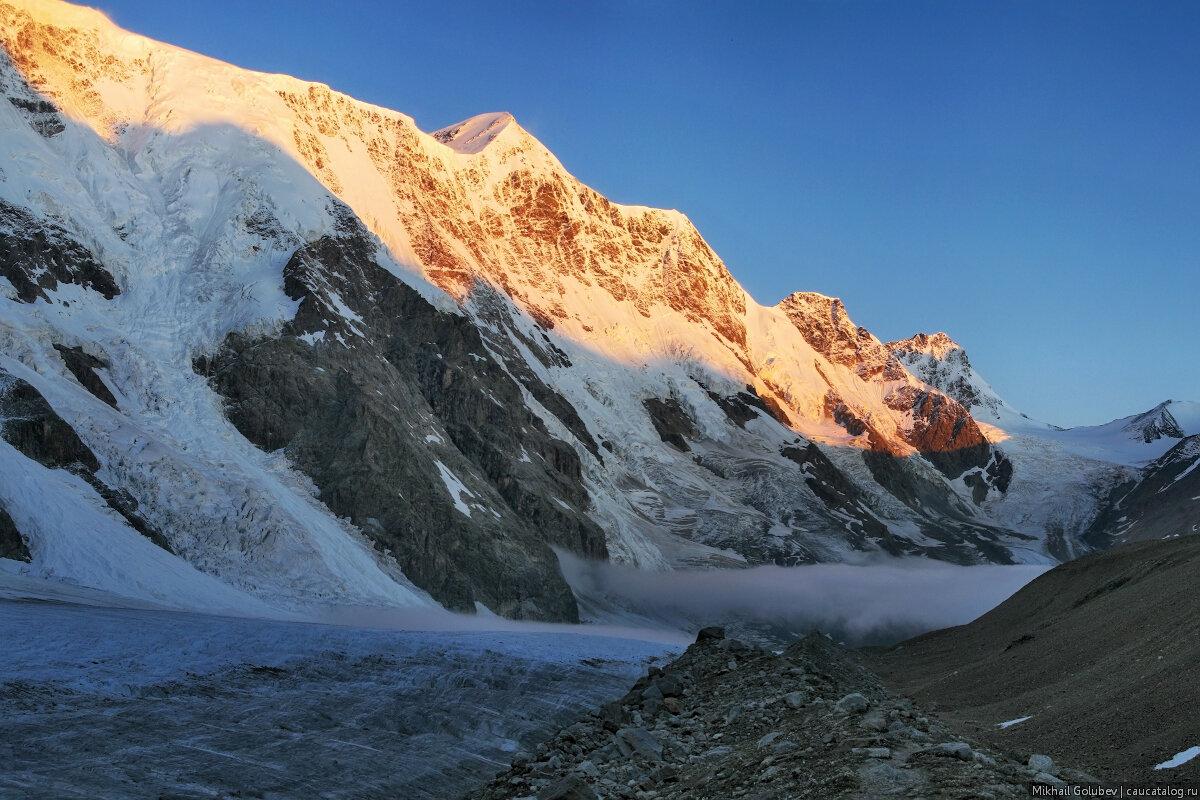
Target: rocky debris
point(729, 720)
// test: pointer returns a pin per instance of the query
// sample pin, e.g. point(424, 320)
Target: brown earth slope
point(1102, 653)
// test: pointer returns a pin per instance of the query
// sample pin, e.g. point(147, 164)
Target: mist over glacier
point(874, 601)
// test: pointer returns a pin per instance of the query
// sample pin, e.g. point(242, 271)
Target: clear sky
point(1022, 175)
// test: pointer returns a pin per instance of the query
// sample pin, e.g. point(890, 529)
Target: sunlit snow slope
point(315, 353)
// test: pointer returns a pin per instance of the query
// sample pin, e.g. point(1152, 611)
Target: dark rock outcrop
point(945, 518)
point(410, 428)
point(36, 256)
point(835, 490)
point(33, 427)
point(83, 366)
point(939, 361)
point(942, 431)
point(42, 115)
point(29, 424)
point(12, 543)
point(1159, 504)
point(741, 407)
point(502, 334)
point(1155, 424)
point(671, 422)
point(996, 475)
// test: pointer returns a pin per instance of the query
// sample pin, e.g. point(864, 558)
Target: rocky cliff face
point(326, 355)
point(1160, 503)
point(939, 361)
point(413, 432)
point(824, 324)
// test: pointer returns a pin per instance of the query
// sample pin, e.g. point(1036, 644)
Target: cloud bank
point(878, 602)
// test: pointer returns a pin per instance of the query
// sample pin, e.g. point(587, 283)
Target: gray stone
point(1046, 779)
point(959, 750)
point(783, 746)
point(854, 703)
point(639, 742)
point(795, 699)
point(669, 685)
point(611, 715)
point(871, 752)
point(874, 721)
point(571, 787)
point(766, 740)
point(1041, 763)
point(716, 752)
point(880, 778)
point(664, 774)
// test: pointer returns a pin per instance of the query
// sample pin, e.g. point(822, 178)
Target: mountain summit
point(264, 345)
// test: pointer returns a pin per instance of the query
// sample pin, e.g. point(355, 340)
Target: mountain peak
point(939, 345)
point(472, 135)
point(1171, 419)
point(63, 13)
point(942, 362)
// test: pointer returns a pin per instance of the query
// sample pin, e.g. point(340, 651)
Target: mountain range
point(264, 346)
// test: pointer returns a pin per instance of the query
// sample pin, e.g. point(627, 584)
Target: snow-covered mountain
point(264, 345)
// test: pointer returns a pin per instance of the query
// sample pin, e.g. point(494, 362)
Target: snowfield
point(1179, 759)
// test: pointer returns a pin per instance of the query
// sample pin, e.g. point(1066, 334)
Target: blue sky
point(1022, 175)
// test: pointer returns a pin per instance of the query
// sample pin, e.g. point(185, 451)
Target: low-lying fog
point(873, 602)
